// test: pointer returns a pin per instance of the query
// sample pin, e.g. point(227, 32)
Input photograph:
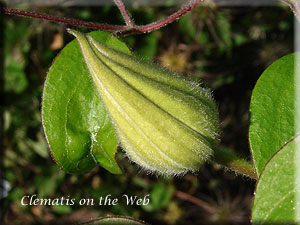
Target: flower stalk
point(226, 158)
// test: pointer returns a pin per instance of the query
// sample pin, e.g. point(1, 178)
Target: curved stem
point(158, 24)
point(130, 28)
point(187, 197)
point(227, 159)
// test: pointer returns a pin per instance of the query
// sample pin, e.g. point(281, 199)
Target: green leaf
point(47, 185)
point(15, 79)
point(148, 47)
point(78, 129)
point(62, 209)
point(17, 46)
point(278, 189)
point(160, 196)
point(115, 221)
point(272, 111)
point(187, 27)
point(224, 31)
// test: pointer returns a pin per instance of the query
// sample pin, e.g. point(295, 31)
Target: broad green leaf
point(115, 221)
point(277, 198)
point(77, 127)
point(272, 111)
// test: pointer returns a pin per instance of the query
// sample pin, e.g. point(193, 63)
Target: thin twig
point(194, 200)
point(294, 5)
point(128, 19)
point(213, 32)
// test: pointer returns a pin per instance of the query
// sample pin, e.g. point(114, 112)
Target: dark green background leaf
point(160, 197)
point(78, 129)
point(272, 111)
point(276, 199)
point(116, 221)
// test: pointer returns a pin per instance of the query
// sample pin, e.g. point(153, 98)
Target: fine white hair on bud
point(165, 124)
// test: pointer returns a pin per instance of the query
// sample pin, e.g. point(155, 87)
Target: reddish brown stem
point(158, 24)
point(73, 22)
point(130, 28)
point(194, 200)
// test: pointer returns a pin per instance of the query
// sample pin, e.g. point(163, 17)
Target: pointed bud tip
point(69, 30)
point(75, 33)
point(165, 124)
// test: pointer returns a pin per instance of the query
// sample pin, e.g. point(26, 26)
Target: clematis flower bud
point(165, 123)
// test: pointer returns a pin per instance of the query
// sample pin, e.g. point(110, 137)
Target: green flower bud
point(165, 123)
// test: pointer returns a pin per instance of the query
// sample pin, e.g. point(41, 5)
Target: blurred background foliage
point(225, 48)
